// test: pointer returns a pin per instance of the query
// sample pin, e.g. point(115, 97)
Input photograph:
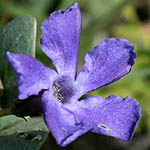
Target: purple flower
point(66, 116)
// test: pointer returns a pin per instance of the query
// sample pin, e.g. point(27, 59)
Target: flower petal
point(60, 121)
point(113, 116)
point(60, 39)
point(106, 63)
point(32, 75)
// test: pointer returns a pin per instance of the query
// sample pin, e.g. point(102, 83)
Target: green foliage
point(18, 35)
point(17, 134)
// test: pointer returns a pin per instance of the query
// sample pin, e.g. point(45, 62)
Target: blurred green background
point(101, 19)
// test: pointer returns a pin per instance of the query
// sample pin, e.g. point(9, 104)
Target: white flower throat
point(63, 89)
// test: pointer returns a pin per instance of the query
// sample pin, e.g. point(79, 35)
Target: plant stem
point(5, 112)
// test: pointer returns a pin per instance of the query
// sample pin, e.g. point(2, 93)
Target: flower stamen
point(63, 89)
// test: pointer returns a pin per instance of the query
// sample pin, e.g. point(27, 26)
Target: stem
point(5, 112)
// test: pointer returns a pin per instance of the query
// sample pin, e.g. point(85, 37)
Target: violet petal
point(60, 39)
point(60, 121)
point(32, 75)
point(106, 63)
point(113, 116)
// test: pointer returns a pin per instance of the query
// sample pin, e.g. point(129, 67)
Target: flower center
point(63, 89)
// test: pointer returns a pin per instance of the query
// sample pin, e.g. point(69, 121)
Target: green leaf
point(29, 135)
point(19, 35)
